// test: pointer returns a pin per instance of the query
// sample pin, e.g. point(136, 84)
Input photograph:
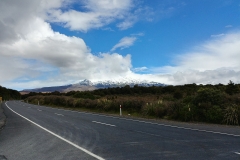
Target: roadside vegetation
point(219, 104)
point(9, 94)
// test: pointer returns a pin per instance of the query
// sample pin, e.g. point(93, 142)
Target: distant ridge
point(48, 89)
point(85, 85)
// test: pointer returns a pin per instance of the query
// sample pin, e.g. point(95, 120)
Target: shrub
point(186, 114)
point(214, 114)
point(154, 109)
point(178, 95)
point(231, 115)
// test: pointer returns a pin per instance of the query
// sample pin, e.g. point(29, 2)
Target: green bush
point(214, 114)
point(191, 102)
point(155, 109)
point(186, 114)
point(232, 115)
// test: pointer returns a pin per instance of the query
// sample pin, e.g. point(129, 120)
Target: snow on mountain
point(86, 82)
point(112, 84)
point(88, 85)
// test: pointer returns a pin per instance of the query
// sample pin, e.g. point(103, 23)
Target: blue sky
point(184, 25)
point(58, 42)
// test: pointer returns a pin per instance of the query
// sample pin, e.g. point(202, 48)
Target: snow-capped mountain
point(131, 83)
point(88, 85)
point(86, 82)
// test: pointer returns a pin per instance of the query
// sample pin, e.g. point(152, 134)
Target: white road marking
point(237, 153)
point(39, 110)
point(59, 114)
point(104, 123)
point(165, 125)
point(133, 143)
point(69, 142)
point(160, 124)
point(192, 129)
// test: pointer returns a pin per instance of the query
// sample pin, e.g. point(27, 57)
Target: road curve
point(38, 132)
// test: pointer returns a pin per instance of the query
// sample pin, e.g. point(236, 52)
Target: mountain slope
point(88, 85)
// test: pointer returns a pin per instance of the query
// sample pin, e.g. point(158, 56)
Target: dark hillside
point(9, 94)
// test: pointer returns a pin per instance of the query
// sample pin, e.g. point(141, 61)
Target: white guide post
point(120, 110)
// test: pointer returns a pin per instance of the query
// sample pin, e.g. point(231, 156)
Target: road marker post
point(120, 110)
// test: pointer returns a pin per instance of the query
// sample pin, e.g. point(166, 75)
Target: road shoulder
point(2, 116)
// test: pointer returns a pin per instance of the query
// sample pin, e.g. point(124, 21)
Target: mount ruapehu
point(85, 85)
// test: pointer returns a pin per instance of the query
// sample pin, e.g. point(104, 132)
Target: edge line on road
point(69, 142)
point(165, 125)
point(159, 124)
point(186, 128)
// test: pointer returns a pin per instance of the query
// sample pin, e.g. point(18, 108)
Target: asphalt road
point(38, 132)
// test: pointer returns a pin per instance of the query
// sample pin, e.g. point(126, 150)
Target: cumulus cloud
point(42, 57)
point(33, 55)
point(125, 42)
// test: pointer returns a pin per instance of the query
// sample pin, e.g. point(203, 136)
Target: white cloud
point(228, 26)
point(141, 13)
point(216, 61)
point(203, 77)
point(106, 5)
point(33, 55)
point(214, 54)
point(140, 69)
point(217, 35)
point(96, 14)
point(128, 22)
point(125, 42)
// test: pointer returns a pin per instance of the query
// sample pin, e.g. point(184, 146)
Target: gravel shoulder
point(2, 116)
